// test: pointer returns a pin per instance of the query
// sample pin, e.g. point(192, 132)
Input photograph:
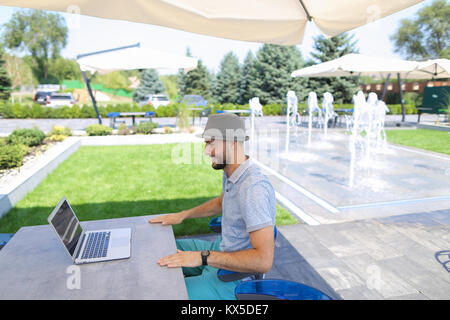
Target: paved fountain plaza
point(330, 183)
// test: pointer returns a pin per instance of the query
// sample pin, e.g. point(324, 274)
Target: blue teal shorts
point(202, 282)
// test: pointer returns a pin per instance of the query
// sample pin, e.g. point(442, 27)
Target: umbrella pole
point(88, 83)
point(385, 87)
point(401, 96)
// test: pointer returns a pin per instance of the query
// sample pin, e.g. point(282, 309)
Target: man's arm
point(207, 209)
point(259, 259)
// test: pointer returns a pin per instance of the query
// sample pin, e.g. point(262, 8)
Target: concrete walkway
point(390, 258)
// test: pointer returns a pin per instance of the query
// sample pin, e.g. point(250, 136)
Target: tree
point(227, 82)
point(333, 48)
point(181, 77)
point(342, 88)
point(425, 36)
point(61, 69)
point(113, 80)
point(5, 81)
point(244, 95)
point(170, 83)
point(270, 78)
point(150, 84)
point(39, 33)
point(197, 81)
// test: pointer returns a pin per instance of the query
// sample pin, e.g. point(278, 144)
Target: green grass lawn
point(123, 181)
point(433, 140)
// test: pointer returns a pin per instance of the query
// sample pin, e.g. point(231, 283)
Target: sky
point(88, 34)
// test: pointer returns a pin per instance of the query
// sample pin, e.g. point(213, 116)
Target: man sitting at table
point(247, 204)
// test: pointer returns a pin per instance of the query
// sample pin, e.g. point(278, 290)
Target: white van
point(60, 99)
point(155, 100)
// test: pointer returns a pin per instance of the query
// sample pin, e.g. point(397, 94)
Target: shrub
point(397, 109)
point(11, 155)
point(28, 137)
point(145, 127)
point(62, 112)
point(183, 116)
point(123, 129)
point(87, 111)
point(166, 111)
point(59, 133)
point(272, 109)
point(56, 137)
point(37, 111)
point(98, 130)
point(59, 130)
point(168, 130)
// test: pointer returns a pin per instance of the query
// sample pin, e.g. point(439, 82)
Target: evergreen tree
point(244, 95)
point(150, 84)
point(227, 83)
point(270, 74)
point(342, 88)
point(333, 48)
point(5, 81)
point(197, 81)
point(212, 78)
point(181, 78)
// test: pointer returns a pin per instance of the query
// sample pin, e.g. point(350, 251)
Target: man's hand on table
point(182, 259)
point(169, 219)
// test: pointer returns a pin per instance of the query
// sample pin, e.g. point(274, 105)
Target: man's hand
point(169, 219)
point(182, 259)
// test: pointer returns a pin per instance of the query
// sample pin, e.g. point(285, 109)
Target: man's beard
point(219, 166)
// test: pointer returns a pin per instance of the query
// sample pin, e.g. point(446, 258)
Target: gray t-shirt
point(248, 205)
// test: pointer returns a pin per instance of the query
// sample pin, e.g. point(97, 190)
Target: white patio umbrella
point(357, 65)
point(431, 69)
point(354, 64)
point(130, 58)
point(269, 21)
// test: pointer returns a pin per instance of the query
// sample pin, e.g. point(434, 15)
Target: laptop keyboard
point(96, 245)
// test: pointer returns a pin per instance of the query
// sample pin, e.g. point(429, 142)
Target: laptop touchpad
point(119, 242)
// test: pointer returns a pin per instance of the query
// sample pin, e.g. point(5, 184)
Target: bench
point(113, 119)
point(436, 100)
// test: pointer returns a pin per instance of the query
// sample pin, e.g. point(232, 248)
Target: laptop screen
point(67, 226)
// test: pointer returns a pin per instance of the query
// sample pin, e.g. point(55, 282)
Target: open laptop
point(88, 246)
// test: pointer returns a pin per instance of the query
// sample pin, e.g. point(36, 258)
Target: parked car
point(42, 97)
point(195, 99)
point(60, 99)
point(155, 100)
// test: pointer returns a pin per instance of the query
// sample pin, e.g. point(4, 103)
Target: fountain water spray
point(367, 130)
point(292, 108)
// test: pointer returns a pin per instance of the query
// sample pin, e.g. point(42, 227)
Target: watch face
point(205, 253)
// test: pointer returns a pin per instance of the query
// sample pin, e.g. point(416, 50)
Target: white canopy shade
point(269, 21)
point(135, 58)
point(354, 64)
point(437, 68)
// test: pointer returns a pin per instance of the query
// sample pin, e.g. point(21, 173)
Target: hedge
point(37, 111)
